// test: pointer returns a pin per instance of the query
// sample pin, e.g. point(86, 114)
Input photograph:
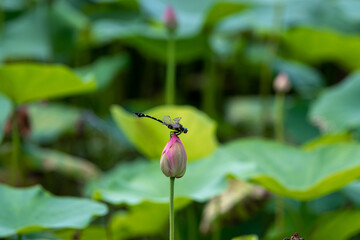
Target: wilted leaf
point(150, 137)
point(6, 109)
point(49, 160)
point(33, 209)
point(24, 82)
point(236, 192)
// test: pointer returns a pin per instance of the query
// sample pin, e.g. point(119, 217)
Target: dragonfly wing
point(167, 119)
point(177, 120)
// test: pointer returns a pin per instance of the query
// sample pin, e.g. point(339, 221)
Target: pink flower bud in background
point(282, 83)
point(173, 158)
point(170, 18)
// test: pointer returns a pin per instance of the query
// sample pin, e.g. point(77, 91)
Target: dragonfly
point(173, 124)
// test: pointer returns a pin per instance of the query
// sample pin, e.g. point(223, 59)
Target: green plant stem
point(172, 220)
point(15, 165)
point(279, 214)
point(279, 136)
point(170, 71)
point(19, 237)
point(279, 117)
point(216, 223)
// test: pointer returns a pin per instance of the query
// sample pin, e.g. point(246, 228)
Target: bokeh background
point(263, 162)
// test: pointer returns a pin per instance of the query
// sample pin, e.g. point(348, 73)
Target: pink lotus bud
point(170, 18)
point(173, 158)
point(282, 83)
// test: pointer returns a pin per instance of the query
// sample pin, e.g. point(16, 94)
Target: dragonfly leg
point(172, 132)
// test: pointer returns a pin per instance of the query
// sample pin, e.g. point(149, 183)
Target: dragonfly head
point(185, 130)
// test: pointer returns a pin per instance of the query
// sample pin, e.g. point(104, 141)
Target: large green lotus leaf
point(144, 219)
point(185, 49)
point(328, 139)
point(323, 45)
point(349, 9)
point(221, 9)
point(70, 15)
point(298, 128)
point(24, 82)
point(190, 15)
point(293, 172)
point(151, 37)
point(339, 225)
point(352, 191)
point(271, 16)
point(258, 19)
point(288, 171)
point(33, 209)
point(50, 120)
point(140, 181)
point(25, 37)
point(12, 5)
point(337, 108)
point(105, 69)
point(150, 137)
point(48, 160)
point(147, 39)
point(6, 109)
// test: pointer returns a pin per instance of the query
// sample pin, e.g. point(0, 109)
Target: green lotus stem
point(279, 117)
point(172, 217)
point(170, 70)
point(15, 166)
point(279, 214)
point(216, 224)
point(279, 136)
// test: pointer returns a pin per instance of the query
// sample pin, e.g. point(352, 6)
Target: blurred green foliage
point(73, 72)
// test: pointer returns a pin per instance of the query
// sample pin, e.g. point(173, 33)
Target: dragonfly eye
point(185, 130)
